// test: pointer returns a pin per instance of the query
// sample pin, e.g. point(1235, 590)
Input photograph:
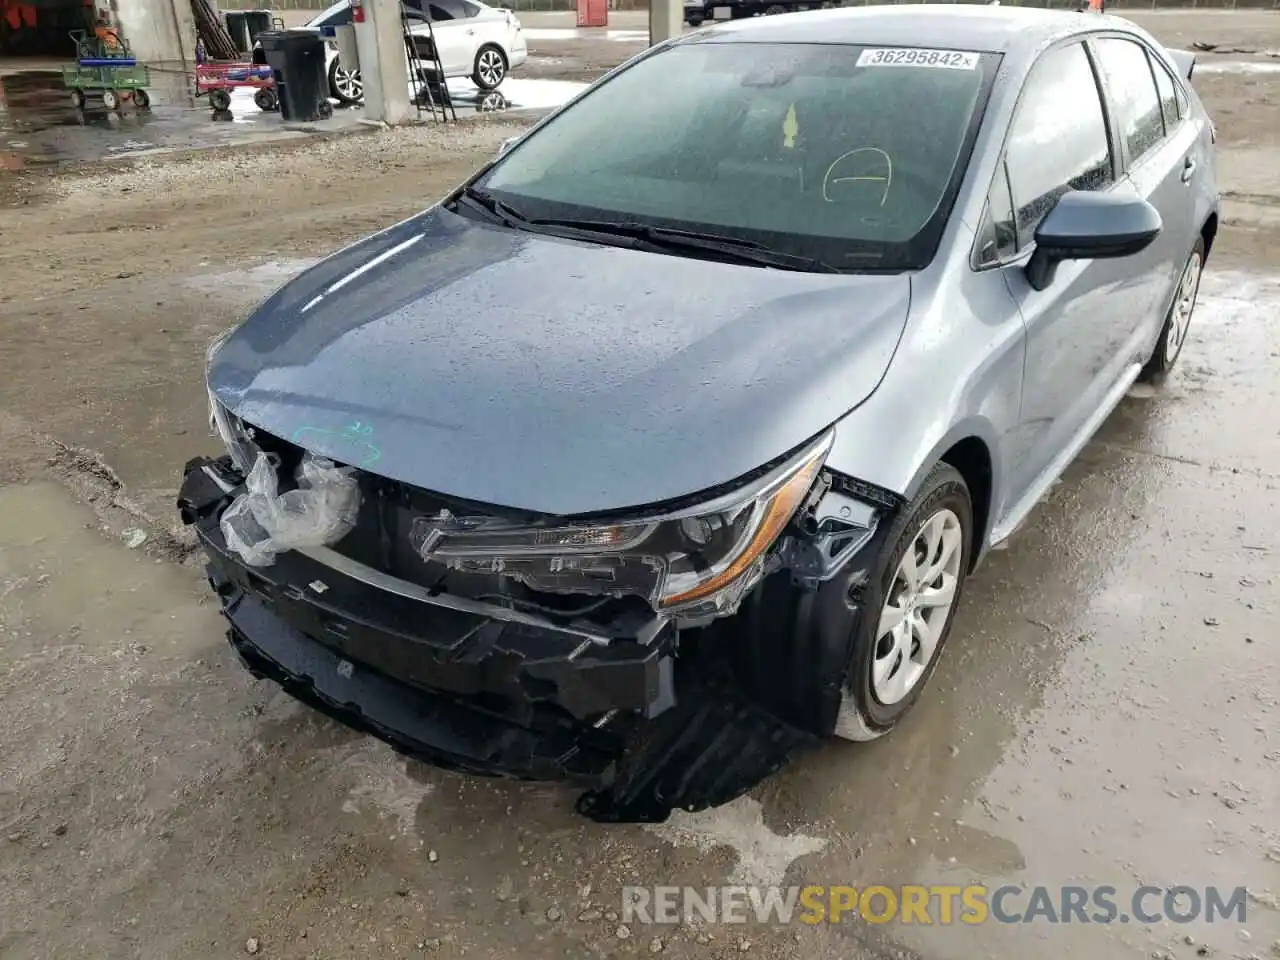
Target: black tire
point(489, 70)
point(796, 651)
point(266, 100)
point(1173, 337)
point(77, 99)
point(694, 21)
point(141, 99)
point(337, 94)
point(220, 100)
point(774, 9)
point(943, 488)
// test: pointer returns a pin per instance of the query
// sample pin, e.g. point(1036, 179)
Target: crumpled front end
point(609, 652)
point(468, 680)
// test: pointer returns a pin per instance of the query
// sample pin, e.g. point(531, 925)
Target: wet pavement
point(39, 123)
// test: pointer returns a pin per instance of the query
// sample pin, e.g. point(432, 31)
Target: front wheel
point(111, 100)
point(490, 68)
point(1173, 335)
point(909, 603)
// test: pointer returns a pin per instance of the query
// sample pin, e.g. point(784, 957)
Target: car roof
point(979, 28)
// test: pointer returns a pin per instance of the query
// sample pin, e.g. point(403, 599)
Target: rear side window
point(1058, 140)
point(1132, 92)
point(1167, 89)
point(438, 12)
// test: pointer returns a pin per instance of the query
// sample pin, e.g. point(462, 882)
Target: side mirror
point(1084, 225)
point(506, 145)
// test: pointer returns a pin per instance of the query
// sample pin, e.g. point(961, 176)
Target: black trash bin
point(296, 58)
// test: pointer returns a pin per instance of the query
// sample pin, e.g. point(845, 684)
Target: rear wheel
point(1173, 335)
point(77, 99)
point(220, 100)
point(266, 99)
point(141, 99)
point(344, 84)
point(490, 68)
point(110, 99)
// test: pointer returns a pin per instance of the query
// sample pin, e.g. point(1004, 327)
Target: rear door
point(1160, 154)
point(455, 36)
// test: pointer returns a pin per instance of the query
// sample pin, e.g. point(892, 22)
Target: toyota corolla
point(664, 445)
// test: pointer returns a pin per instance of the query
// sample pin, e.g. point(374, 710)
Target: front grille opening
point(381, 541)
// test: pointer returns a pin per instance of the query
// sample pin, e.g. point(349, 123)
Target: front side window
point(844, 154)
point(1058, 140)
point(998, 237)
point(1131, 90)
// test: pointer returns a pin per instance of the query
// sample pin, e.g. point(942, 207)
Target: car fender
point(957, 374)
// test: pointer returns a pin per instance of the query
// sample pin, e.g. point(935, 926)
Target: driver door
point(1077, 327)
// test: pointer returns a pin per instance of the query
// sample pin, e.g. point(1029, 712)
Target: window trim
point(1153, 60)
point(1002, 164)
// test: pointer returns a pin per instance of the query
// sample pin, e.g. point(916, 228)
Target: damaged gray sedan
point(663, 446)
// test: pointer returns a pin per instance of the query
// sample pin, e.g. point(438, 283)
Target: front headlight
point(700, 560)
point(236, 436)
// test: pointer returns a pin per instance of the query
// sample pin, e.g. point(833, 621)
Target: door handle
point(1188, 169)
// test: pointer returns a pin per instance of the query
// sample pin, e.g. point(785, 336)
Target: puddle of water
point(40, 124)
point(1238, 66)
point(568, 33)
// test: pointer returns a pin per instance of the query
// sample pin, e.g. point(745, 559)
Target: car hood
point(554, 375)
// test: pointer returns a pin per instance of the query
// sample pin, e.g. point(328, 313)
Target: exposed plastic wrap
point(262, 522)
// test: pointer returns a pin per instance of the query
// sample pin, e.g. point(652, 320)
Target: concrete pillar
point(384, 66)
point(158, 31)
point(666, 20)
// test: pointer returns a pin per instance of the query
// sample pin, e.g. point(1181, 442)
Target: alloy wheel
point(490, 68)
point(348, 83)
point(917, 606)
point(1184, 305)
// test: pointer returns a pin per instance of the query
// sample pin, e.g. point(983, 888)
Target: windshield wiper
point(504, 212)
point(669, 238)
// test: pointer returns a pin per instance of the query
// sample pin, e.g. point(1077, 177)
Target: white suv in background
point(474, 40)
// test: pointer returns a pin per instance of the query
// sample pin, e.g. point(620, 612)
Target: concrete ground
point(1108, 711)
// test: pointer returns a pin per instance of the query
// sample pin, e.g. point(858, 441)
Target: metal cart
point(105, 67)
point(218, 79)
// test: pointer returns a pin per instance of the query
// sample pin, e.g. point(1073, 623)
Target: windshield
point(848, 155)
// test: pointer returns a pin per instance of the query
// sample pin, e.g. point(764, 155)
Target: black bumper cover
point(490, 697)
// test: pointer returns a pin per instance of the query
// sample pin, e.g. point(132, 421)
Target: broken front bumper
point(485, 689)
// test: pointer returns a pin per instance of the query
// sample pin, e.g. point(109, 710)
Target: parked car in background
point(672, 436)
point(697, 12)
point(474, 40)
